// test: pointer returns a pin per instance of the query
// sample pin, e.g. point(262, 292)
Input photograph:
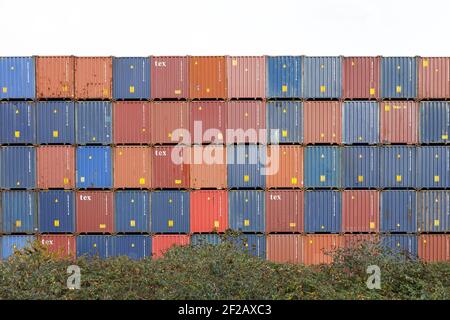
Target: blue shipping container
point(55, 122)
point(131, 78)
point(17, 123)
point(361, 122)
point(361, 167)
point(398, 211)
point(322, 167)
point(322, 77)
point(434, 122)
point(56, 211)
point(17, 167)
point(398, 167)
point(135, 247)
point(254, 244)
point(283, 77)
point(245, 166)
point(11, 243)
point(205, 239)
point(284, 121)
point(399, 77)
point(94, 122)
point(433, 167)
point(246, 210)
point(170, 212)
point(401, 244)
point(94, 167)
point(132, 211)
point(94, 245)
point(17, 78)
point(433, 211)
point(323, 211)
point(18, 212)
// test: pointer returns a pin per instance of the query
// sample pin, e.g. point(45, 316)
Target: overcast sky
point(217, 27)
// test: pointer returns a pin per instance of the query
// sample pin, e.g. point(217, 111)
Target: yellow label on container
point(207, 90)
point(436, 178)
point(102, 226)
point(246, 222)
point(246, 178)
point(170, 223)
point(18, 223)
point(372, 225)
point(387, 108)
point(169, 134)
point(360, 178)
point(322, 135)
point(132, 223)
point(82, 179)
point(323, 88)
point(5, 89)
point(425, 63)
point(292, 224)
point(94, 245)
point(178, 91)
point(398, 225)
point(322, 227)
point(322, 179)
point(131, 89)
point(372, 91)
point(65, 88)
point(293, 180)
point(310, 241)
point(105, 92)
point(55, 134)
point(56, 223)
point(284, 88)
point(398, 89)
point(133, 245)
point(234, 62)
point(360, 138)
point(177, 181)
point(436, 223)
point(142, 181)
point(216, 223)
point(17, 134)
point(66, 180)
point(398, 178)
point(284, 133)
point(444, 137)
point(396, 107)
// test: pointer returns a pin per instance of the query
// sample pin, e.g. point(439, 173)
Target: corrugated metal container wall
point(357, 240)
point(163, 242)
point(287, 164)
point(17, 123)
point(399, 77)
point(170, 212)
point(94, 245)
point(246, 210)
point(93, 78)
point(56, 211)
point(208, 211)
point(323, 211)
point(398, 167)
point(284, 77)
point(323, 122)
point(246, 77)
point(132, 211)
point(170, 167)
point(399, 122)
point(284, 121)
point(17, 78)
point(205, 239)
point(208, 77)
point(166, 117)
point(433, 211)
point(361, 167)
point(322, 77)
point(132, 168)
point(433, 167)
point(55, 167)
point(63, 246)
point(94, 167)
point(434, 78)
point(318, 248)
point(17, 167)
point(170, 78)
point(208, 116)
point(208, 167)
point(55, 122)
point(94, 122)
point(360, 211)
point(131, 122)
point(18, 212)
point(398, 212)
point(360, 122)
point(361, 77)
point(131, 78)
point(95, 211)
point(12, 243)
point(401, 243)
point(254, 244)
point(285, 248)
point(135, 247)
point(55, 77)
point(322, 167)
point(248, 117)
point(434, 122)
point(434, 247)
point(245, 167)
point(284, 211)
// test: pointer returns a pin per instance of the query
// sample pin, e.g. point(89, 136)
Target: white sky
point(234, 27)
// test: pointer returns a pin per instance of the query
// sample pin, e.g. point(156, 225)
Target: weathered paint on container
point(135, 247)
point(208, 77)
point(170, 77)
point(247, 120)
point(399, 122)
point(170, 167)
point(94, 122)
point(11, 243)
point(284, 211)
point(357, 240)
point(246, 77)
point(398, 167)
point(246, 210)
point(131, 78)
point(323, 211)
point(55, 77)
point(318, 248)
point(166, 117)
point(18, 212)
point(401, 244)
point(284, 121)
point(56, 211)
point(132, 211)
point(434, 78)
point(323, 122)
point(361, 167)
point(434, 122)
point(322, 77)
point(161, 243)
point(433, 167)
point(285, 248)
point(17, 121)
point(360, 211)
point(55, 122)
point(94, 167)
point(361, 77)
point(94, 211)
point(63, 246)
point(17, 78)
point(398, 211)
point(200, 239)
point(284, 76)
point(253, 244)
point(170, 212)
point(94, 245)
point(132, 167)
point(55, 167)
point(399, 77)
point(208, 121)
point(208, 167)
point(245, 167)
point(434, 247)
point(131, 122)
point(360, 122)
point(322, 167)
point(208, 211)
point(93, 78)
point(287, 166)
point(433, 211)
point(17, 167)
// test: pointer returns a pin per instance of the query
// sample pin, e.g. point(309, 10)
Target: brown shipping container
point(208, 168)
point(95, 211)
point(169, 77)
point(207, 78)
point(434, 78)
point(360, 211)
point(55, 77)
point(361, 77)
point(55, 167)
point(357, 240)
point(208, 211)
point(246, 77)
point(285, 248)
point(399, 121)
point(166, 172)
point(131, 122)
point(93, 78)
point(166, 117)
point(289, 160)
point(212, 116)
point(284, 211)
point(132, 167)
point(434, 247)
point(318, 249)
point(243, 116)
point(162, 243)
point(322, 122)
point(63, 246)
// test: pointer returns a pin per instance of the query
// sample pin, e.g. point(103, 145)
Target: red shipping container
point(360, 211)
point(357, 240)
point(319, 248)
point(289, 160)
point(246, 119)
point(55, 167)
point(285, 248)
point(208, 121)
point(131, 122)
point(361, 77)
point(246, 77)
point(93, 78)
point(207, 78)
point(162, 243)
point(208, 167)
point(169, 77)
point(170, 167)
point(434, 78)
point(284, 211)
point(434, 247)
point(167, 117)
point(95, 211)
point(322, 122)
point(399, 122)
point(63, 246)
point(55, 77)
point(132, 167)
point(208, 211)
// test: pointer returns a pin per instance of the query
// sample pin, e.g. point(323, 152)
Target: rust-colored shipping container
point(207, 77)
point(399, 122)
point(208, 211)
point(356, 240)
point(55, 167)
point(95, 211)
point(162, 243)
point(169, 77)
point(132, 167)
point(55, 78)
point(208, 167)
point(246, 77)
point(360, 211)
point(434, 78)
point(63, 246)
point(166, 117)
point(287, 165)
point(93, 78)
point(318, 248)
point(322, 122)
point(245, 119)
point(361, 77)
point(208, 121)
point(434, 247)
point(131, 122)
point(170, 167)
point(284, 211)
point(285, 248)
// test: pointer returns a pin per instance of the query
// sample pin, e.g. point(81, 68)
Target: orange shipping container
point(131, 122)
point(166, 117)
point(209, 211)
point(212, 117)
point(132, 167)
point(169, 78)
point(246, 119)
point(55, 77)
point(285, 248)
point(246, 77)
point(93, 78)
point(170, 167)
point(322, 122)
point(289, 160)
point(162, 243)
point(284, 211)
point(207, 78)
point(399, 122)
point(56, 167)
point(434, 78)
point(208, 167)
point(63, 246)
point(360, 211)
point(319, 248)
point(356, 240)
point(434, 247)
